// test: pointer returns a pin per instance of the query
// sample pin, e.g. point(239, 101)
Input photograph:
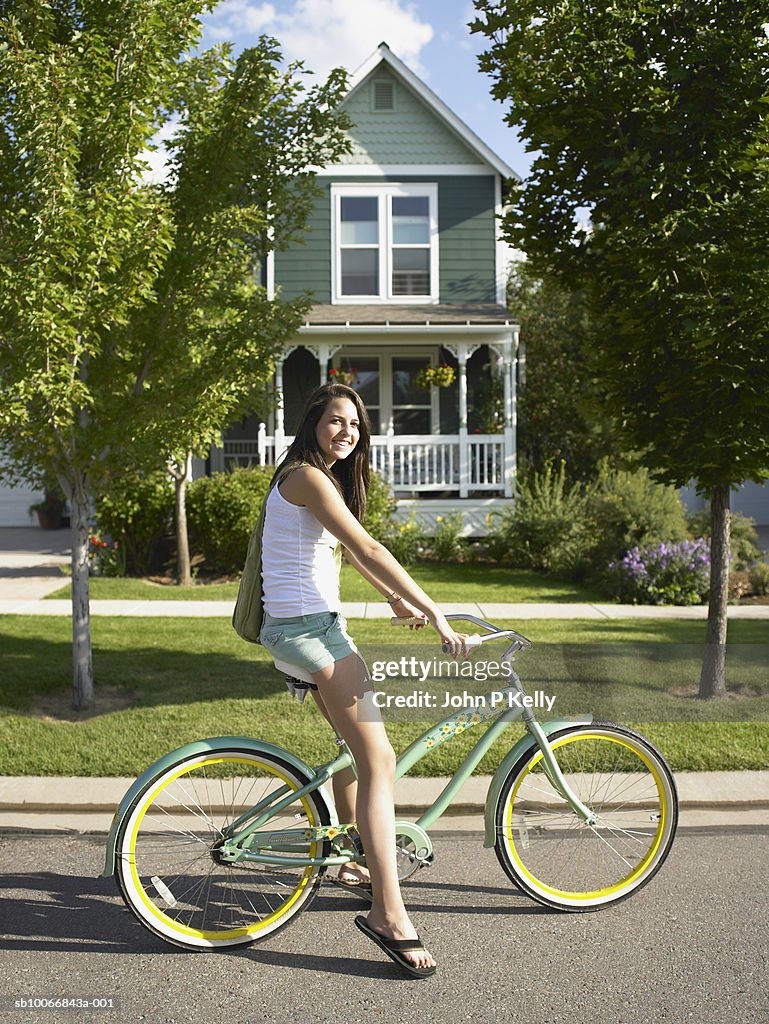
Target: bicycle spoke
point(171, 871)
point(557, 856)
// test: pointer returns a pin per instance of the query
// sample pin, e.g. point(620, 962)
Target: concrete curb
point(56, 796)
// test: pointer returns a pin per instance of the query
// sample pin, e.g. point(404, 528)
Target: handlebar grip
point(473, 640)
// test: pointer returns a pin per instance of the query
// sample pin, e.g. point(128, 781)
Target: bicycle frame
point(243, 833)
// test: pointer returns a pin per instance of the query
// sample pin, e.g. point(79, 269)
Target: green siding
point(467, 244)
point(306, 265)
point(409, 134)
point(467, 239)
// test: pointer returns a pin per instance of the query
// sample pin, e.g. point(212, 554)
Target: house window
point(386, 383)
point(412, 406)
point(367, 379)
point(385, 240)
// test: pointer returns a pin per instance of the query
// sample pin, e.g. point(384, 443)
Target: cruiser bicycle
point(224, 841)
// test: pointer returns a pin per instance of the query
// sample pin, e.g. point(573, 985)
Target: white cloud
point(235, 18)
point(157, 159)
point(327, 33)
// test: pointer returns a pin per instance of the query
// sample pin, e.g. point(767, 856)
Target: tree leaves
point(653, 117)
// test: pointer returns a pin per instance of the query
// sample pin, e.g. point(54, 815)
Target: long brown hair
point(351, 475)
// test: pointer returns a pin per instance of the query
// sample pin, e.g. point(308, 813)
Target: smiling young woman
point(318, 503)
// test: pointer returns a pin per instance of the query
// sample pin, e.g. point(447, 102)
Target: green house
point(407, 272)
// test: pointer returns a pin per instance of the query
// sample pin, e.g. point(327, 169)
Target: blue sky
point(430, 36)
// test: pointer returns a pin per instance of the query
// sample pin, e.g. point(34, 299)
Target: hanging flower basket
point(348, 377)
point(441, 376)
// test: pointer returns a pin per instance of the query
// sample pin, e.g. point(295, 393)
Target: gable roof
point(384, 55)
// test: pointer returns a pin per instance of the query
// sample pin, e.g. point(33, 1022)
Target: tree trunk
point(713, 675)
point(183, 571)
point(82, 658)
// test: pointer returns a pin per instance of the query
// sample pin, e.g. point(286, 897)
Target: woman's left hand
point(404, 610)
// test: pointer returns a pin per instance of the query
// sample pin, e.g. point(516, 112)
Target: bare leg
point(343, 687)
point(345, 787)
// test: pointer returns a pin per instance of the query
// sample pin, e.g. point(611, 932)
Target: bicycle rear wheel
point(556, 857)
point(167, 866)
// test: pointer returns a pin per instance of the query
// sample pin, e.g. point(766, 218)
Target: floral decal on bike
point(456, 725)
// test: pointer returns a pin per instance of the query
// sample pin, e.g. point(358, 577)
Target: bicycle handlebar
point(474, 639)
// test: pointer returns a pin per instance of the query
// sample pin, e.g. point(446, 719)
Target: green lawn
point(189, 678)
point(447, 583)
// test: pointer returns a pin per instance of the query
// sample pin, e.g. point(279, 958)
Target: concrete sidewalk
point(707, 799)
point(377, 610)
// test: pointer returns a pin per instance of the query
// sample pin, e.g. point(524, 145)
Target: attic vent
point(384, 95)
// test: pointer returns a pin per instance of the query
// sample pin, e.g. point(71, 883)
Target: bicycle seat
point(295, 671)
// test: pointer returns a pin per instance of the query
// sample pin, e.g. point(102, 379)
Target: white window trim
point(384, 192)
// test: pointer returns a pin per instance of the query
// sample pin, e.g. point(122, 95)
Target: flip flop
point(395, 948)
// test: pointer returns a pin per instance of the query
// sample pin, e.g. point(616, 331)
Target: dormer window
point(385, 243)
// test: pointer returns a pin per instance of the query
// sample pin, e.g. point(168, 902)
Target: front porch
point(411, 464)
point(452, 444)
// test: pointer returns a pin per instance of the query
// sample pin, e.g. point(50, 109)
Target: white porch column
point(323, 358)
point(323, 351)
point(464, 454)
point(505, 352)
point(261, 444)
point(280, 421)
point(462, 352)
point(511, 475)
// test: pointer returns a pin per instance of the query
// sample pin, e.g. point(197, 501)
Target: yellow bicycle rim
point(637, 872)
point(212, 936)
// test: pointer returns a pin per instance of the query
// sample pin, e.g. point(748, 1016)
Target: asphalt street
point(693, 946)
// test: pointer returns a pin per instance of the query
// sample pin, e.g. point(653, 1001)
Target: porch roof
point(433, 316)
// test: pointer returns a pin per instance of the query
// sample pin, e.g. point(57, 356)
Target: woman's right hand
point(453, 643)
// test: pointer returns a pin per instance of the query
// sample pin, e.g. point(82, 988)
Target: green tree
point(132, 315)
point(559, 412)
point(653, 119)
point(239, 186)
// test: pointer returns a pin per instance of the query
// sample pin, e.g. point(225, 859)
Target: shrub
point(743, 537)
point(136, 511)
point(447, 543)
point(546, 528)
point(628, 509)
point(380, 508)
point(222, 510)
point(406, 540)
point(663, 574)
point(759, 578)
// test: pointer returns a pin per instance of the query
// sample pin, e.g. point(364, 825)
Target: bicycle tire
point(558, 859)
point(166, 863)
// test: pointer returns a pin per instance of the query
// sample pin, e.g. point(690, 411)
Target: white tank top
point(300, 573)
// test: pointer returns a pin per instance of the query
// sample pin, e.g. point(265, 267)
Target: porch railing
point(411, 463)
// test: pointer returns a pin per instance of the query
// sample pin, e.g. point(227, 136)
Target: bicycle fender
point(173, 757)
point(521, 747)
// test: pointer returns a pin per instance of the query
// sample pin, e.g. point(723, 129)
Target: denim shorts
point(310, 641)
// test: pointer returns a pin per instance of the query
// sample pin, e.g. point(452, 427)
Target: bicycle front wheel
point(167, 865)
point(553, 854)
